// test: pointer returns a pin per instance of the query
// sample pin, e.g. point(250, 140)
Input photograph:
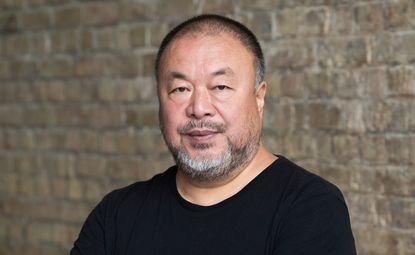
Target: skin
point(211, 78)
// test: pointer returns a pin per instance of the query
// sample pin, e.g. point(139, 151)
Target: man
point(227, 194)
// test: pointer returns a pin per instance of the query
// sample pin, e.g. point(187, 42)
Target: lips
point(201, 135)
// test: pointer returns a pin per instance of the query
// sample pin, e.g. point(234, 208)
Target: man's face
point(210, 112)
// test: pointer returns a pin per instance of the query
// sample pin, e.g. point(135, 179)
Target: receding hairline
point(211, 25)
point(197, 34)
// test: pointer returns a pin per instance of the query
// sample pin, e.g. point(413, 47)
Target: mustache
point(214, 126)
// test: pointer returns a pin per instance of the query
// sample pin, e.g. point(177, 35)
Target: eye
point(179, 90)
point(221, 87)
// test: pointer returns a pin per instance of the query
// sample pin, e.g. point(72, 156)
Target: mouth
point(199, 136)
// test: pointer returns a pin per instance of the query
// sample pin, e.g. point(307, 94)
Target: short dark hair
point(213, 24)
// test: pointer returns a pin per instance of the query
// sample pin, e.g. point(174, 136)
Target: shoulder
point(314, 215)
point(302, 185)
point(138, 191)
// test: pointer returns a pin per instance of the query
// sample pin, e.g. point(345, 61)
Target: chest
point(167, 228)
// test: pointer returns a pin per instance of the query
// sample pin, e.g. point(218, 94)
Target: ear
point(260, 96)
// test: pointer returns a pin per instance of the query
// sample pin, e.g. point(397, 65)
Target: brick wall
point(78, 108)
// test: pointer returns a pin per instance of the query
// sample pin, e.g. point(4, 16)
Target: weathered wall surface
point(78, 108)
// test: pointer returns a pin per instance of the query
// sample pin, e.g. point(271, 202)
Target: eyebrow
point(222, 71)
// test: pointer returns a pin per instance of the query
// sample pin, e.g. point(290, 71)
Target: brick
point(376, 115)
point(16, 45)
point(23, 69)
point(323, 116)
point(281, 118)
point(7, 92)
point(78, 91)
point(39, 116)
point(58, 165)
point(125, 90)
point(318, 84)
point(59, 187)
point(67, 17)
point(287, 22)
point(150, 167)
point(338, 175)
point(273, 85)
point(351, 117)
point(67, 213)
point(394, 181)
point(9, 23)
point(7, 162)
point(123, 65)
point(397, 14)
point(138, 36)
point(141, 116)
point(151, 141)
point(401, 81)
point(39, 44)
point(344, 52)
point(346, 148)
point(341, 20)
point(87, 66)
point(26, 163)
point(36, 20)
point(90, 166)
point(75, 190)
point(93, 190)
point(81, 141)
point(58, 67)
point(396, 212)
point(122, 38)
point(105, 39)
point(18, 139)
point(393, 49)
point(70, 41)
point(369, 18)
point(55, 233)
point(178, 8)
point(376, 240)
point(8, 183)
point(124, 142)
point(99, 13)
point(299, 146)
point(12, 5)
point(148, 64)
point(399, 116)
point(27, 186)
point(26, 92)
point(314, 21)
point(5, 70)
point(123, 168)
point(290, 55)
point(374, 149)
point(374, 81)
point(292, 85)
point(363, 210)
point(218, 6)
point(398, 150)
point(10, 116)
point(138, 11)
point(261, 24)
point(52, 91)
point(86, 39)
point(104, 117)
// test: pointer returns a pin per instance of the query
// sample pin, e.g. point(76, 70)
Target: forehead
point(196, 50)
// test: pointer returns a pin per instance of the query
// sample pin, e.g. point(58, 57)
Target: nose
point(200, 105)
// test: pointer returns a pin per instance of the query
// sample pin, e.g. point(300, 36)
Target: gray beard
point(210, 168)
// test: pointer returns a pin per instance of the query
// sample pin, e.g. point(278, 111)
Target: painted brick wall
point(78, 107)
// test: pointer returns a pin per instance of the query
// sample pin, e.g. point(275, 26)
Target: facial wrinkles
point(207, 167)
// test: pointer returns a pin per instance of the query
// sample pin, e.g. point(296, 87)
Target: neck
point(210, 193)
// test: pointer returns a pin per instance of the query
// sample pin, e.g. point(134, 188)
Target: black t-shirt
point(284, 210)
